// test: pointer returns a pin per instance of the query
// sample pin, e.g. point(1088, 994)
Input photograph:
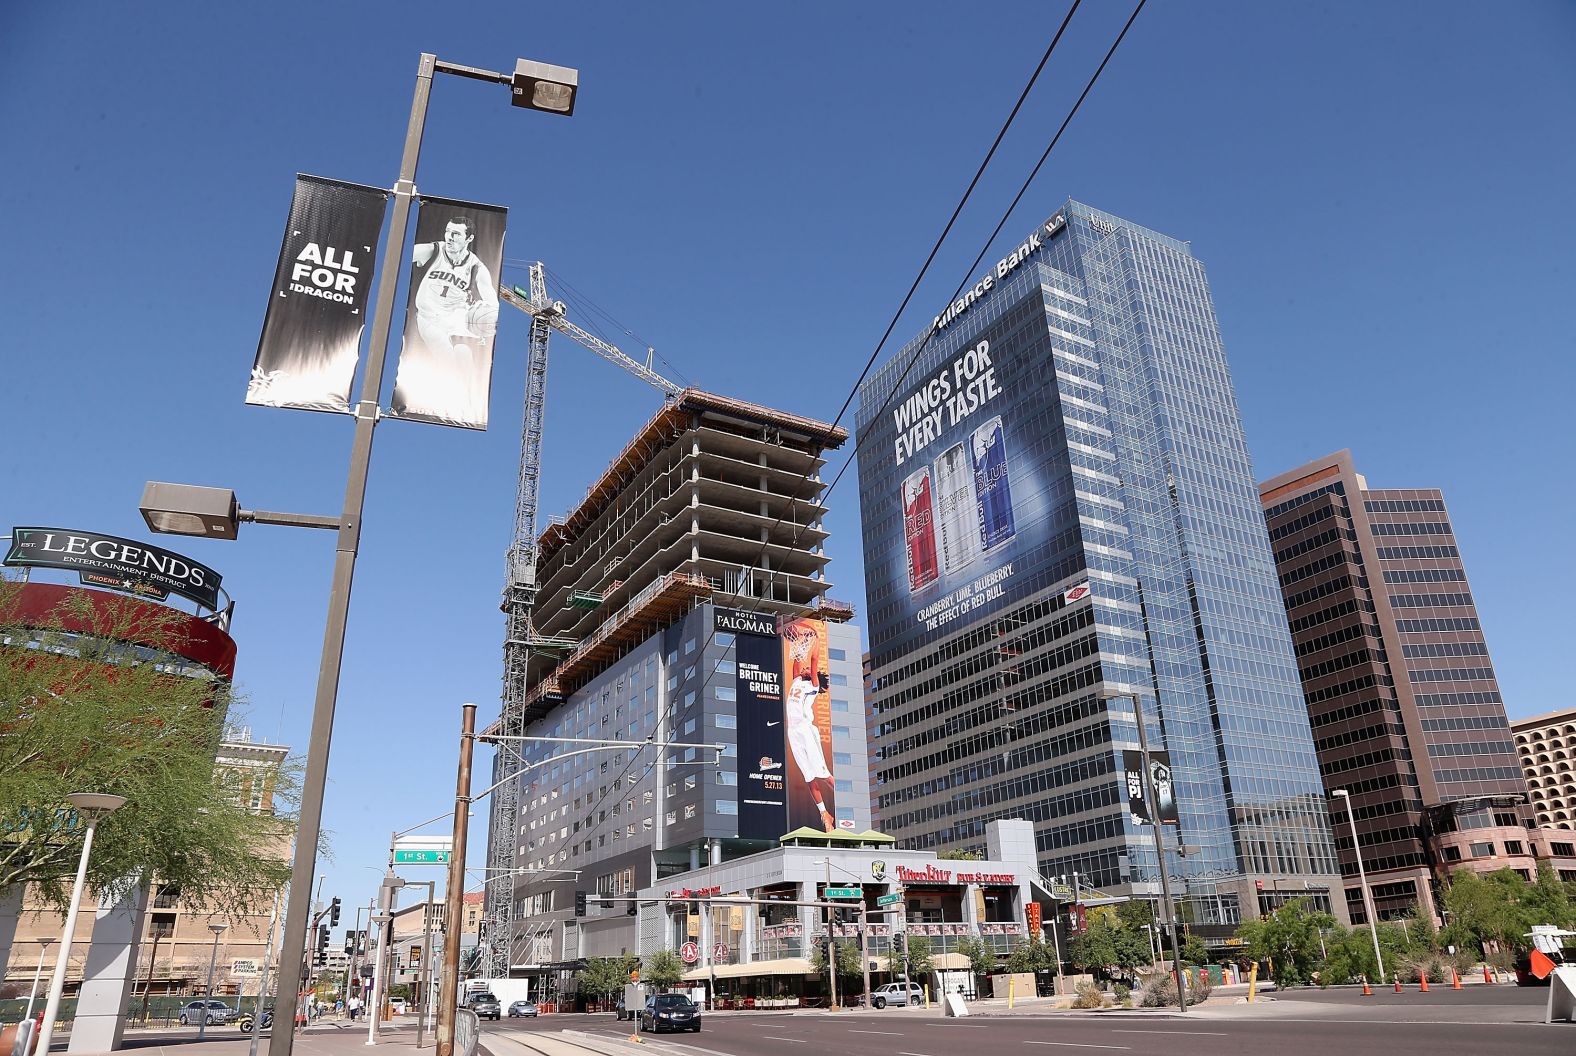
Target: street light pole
point(90, 806)
point(213, 955)
point(1160, 853)
point(454, 890)
point(38, 973)
point(1362, 878)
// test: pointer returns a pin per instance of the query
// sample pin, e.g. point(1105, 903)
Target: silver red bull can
point(956, 516)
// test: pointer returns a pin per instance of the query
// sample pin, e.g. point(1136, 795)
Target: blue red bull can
point(993, 493)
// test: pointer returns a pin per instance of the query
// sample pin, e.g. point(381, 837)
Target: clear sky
point(1382, 195)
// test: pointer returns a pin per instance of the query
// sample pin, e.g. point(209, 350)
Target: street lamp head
point(95, 802)
point(217, 929)
point(1341, 792)
point(542, 86)
point(187, 509)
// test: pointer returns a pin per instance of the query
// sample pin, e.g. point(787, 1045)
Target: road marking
point(912, 1054)
point(1201, 1033)
point(893, 1033)
point(1077, 1045)
point(796, 1041)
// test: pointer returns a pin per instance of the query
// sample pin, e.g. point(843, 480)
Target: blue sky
point(1381, 194)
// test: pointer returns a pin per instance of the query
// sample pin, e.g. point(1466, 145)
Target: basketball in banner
point(451, 317)
point(807, 707)
point(311, 340)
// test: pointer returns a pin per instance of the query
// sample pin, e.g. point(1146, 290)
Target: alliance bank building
point(1060, 519)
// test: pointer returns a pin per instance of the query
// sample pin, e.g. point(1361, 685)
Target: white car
point(897, 994)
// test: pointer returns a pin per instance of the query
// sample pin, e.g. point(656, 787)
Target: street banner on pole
point(307, 356)
point(1138, 805)
point(451, 315)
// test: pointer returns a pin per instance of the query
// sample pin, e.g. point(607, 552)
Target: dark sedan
point(670, 1012)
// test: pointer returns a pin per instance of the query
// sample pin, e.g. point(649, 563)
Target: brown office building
point(1405, 709)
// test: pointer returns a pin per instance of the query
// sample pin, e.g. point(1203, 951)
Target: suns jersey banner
point(451, 316)
point(807, 714)
point(762, 766)
point(307, 356)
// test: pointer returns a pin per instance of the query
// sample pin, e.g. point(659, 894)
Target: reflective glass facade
point(1136, 559)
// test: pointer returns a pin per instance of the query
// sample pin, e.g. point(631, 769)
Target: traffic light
point(900, 943)
point(322, 943)
point(333, 913)
point(580, 903)
point(632, 910)
point(415, 956)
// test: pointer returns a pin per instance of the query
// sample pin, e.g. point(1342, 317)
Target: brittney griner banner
point(445, 366)
point(318, 309)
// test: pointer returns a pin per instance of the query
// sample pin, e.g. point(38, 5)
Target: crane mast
point(519, 599)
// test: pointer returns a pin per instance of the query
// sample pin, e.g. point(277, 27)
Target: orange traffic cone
point(1455, 978)
point(1486, 977)
point(1397, 984)
point(1367, 990)
point(1422, 977)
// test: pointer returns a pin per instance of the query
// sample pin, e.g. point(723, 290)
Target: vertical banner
point(808, 722)
point(763, 804)
point(451, 316)
point(307, 356)
point(1165, 805)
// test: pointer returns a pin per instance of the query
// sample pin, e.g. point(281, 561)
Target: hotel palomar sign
point(120, 564)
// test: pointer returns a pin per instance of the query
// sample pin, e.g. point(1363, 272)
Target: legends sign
point(121, 564)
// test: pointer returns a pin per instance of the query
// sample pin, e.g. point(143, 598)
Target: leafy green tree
point(605, 976)
point(1289, 939)
point(1107, 943)
point(1485, 908)
point(920, 962)
point(961, 854)
point(1194, 951)
point(662, 969)
point(1032, 955)
point(850, 965)
point(981, 962)
point(82, 711)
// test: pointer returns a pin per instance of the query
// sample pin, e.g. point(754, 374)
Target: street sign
point(845, 892)
point(243, 967)
point(421, 857)
point(890, 900)
point(689, 953)
point(719, 952)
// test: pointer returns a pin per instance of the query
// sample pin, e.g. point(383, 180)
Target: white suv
point(896, 994)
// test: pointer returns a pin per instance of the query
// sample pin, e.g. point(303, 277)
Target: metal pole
point(831, 940)
point(423, 997)
point(454, 889)
point(202, 1021)
point(864, 942)
point(1160, 855)
point(262, 978)
point(57, 981)
point(38, 973)
point(1362, 878)
point(309, 822)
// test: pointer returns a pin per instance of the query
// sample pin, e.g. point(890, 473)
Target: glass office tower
point(1114, 551)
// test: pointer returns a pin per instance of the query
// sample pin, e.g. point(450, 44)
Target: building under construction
point(704, 533)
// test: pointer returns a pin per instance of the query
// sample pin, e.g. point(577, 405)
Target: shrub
point(1161, 991)
point(1089, 996)
point(1122, 993)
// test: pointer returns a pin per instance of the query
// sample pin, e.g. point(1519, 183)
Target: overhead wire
point(854, 390)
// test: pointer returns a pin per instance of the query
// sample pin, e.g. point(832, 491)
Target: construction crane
point(519, 593)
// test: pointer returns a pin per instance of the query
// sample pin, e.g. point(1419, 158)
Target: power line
point(854, 390)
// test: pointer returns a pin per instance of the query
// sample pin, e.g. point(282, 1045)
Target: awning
point(779, 966)
point(946, 962)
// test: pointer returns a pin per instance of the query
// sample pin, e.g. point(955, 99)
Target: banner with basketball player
point(451, 317)
point(807, 727)
point(311, 339)
point(758, 686)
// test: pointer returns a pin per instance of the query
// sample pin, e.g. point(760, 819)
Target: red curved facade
point(79, 610)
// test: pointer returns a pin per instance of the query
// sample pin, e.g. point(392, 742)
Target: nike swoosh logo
point(769, 725)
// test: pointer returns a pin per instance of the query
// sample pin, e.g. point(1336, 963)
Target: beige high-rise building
point(1546, 746)
point(177, 943)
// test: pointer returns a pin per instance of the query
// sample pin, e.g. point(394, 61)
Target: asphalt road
point(1309, 1023)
